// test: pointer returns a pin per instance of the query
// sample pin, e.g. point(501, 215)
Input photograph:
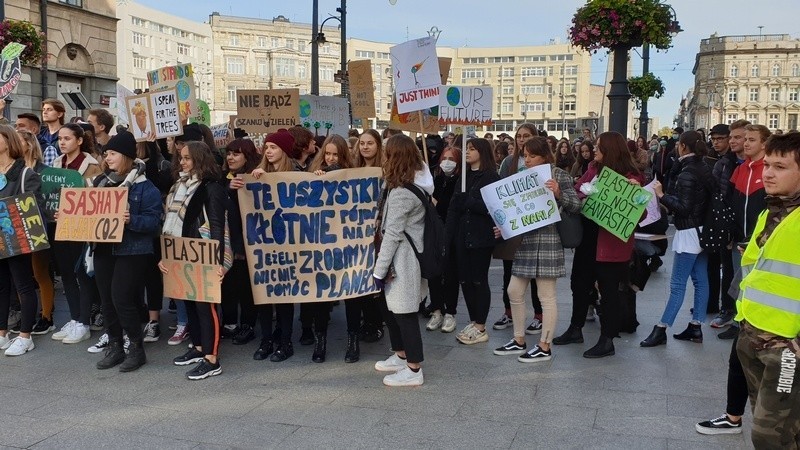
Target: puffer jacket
point(468, 221)
point(723, 169)
point(209, 199)
point(690, 195)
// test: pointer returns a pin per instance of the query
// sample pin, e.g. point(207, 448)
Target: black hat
point(191, 132)
point(720, 128)
point(679, 130)
point(123, 143)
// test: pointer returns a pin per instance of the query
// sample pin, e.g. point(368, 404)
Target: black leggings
point(405, 336)
point(203, 326)
point(320, 314)
point(154, 282)
point(89, 294)
point(537, 305)
point(737, 384)
point(284, 313)
point(444, 289)
point(120, 293)
point(66, 255)
point(17, 271)
point(373, 315)
point(728, 302)
point(237, 295)
point(473, 273)
point(352, 312)
point(583, 274)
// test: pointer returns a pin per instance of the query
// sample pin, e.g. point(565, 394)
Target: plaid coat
point(541, 254)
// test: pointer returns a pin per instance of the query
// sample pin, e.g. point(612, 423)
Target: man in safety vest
point(769, 302)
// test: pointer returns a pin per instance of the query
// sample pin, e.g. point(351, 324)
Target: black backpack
point(433, 255)
point(718, 221)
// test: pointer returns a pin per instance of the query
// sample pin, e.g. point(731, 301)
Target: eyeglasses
point(719, 138)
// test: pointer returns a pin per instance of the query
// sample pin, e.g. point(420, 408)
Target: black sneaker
point(283, 353)
point(190, 357)
point(512, 348)
point(720, 425)
point(172, 308)
point(228, 331)
point(730, 333)
point(307, 337)
point(204, 370)
point(245, 335)
point(371, 334)
point(43, 326)
point(96, 324)
point(264, 350)
point(152, 331)
point(536, 354)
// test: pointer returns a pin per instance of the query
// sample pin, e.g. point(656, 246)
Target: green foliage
point(26, 34)
point(646, 87)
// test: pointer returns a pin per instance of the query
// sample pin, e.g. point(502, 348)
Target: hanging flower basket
point(623, 23)
point(26, 34)
point(645, 87)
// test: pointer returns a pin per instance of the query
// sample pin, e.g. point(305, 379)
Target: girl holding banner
point(17, 271)
point(540, 257)
point(196, 201)
point(114, 263)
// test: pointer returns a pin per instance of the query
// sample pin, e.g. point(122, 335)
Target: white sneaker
point(390, 364)
point(435, 321)
point(473, 336)
point(20, 346)
point(5, 341)
point(64, 331)
point(101, 344)
point(465, 330)
point(404, 377)
point(449, 323)
point(78, 333)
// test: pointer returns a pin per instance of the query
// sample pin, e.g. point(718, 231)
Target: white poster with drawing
point(415, 69)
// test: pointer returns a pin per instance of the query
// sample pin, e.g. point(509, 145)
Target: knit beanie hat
point(283, 139)
point(191, 132)
point(123, 143)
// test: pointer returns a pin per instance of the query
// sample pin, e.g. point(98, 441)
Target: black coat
point(690, 194)
point(468, 221)
point(212, 196)
point(723, 170)
point(443, 188)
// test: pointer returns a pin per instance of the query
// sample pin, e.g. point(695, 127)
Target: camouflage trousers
point(773, 382)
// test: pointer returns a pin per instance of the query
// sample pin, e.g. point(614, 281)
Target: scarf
point(177, 201)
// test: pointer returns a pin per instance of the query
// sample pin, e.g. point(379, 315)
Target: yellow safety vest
point(769, 297)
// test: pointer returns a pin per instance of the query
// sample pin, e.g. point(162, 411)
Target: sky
point(509, 23)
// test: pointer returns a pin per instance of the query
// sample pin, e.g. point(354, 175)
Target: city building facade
point(752, 77)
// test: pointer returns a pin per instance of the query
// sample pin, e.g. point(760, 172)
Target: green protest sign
point(202, 115)
point(616, 204)
point(53, 180)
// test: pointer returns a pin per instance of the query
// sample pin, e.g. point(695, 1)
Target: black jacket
point(212, 196)
point(443, 188)
point(690, 195)
point(723, 170)
point(468, 221)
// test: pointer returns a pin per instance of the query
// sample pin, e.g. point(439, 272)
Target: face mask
point(653, 148)
point(675, 136)
point(448, 166)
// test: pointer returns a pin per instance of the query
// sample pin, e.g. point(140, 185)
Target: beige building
point(751, 77)
point(81, 52)
point(148, 39)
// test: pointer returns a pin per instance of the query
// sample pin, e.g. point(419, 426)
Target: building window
point(235, 65)
point(570, 70)
point(508, 71)
point(507, 107)
point(139, 38)
point(137, 21)
point(232, 93)
point(532, 107)
point(262, 67)
point(568, 106)
point(734, 71)
point(501, 59)
point(532, 58)
point(262, 41)
point(290, 43)
point(754, 70)
point(776, 70)
point(326, 73)
point(532, 89)
point(474, 60)
point(753, 95)
point(772, 121)
point(139, 62)
point(284, 67)
point(732, 117)
point(276, 42)
point(712, 72)
point(155, 26)
point(733, 94)
point(775, 94)
point(233, 39)
point(301, 46)
point(301, 71)
point(364, 54)
point(752, 118)
point(560, 57)
point(508, 89)
point(570, 88)
point(139, 83)
point(184, 49)
point(533, 71)
point(471, 74)
point(795, 70)
point(794, 94)
point(78, 3)
point(382, 55)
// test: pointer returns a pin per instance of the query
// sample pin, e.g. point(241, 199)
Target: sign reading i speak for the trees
point(616, 204)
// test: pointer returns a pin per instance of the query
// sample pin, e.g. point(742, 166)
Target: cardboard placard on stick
point(465, 105)
point(154, 112)
point(10, 68)
point(415, 69)
point(192, 266)
point(325, 115)
point(91, 214)
point(222, 134)
point(180, 78)
point(444, 68)
point(22, 228)
point(362, 91)
point(310, 238)
point(617, 204)
point(53, 179)
point(267, 111)
point(411, 121)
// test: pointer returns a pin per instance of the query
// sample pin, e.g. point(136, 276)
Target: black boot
point(657, 337)
point(264, 350)
point(115, 354)
point(282, 353)
point(603, 348)
point(320, 347)
point(353, 352)
point(573, 335)
point(691, 333)
point(306, 337)
point(135, 357)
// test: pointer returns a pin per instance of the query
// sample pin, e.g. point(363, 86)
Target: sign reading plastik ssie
point(192, 266)
point(21, 227)
point(91, 214)
point(616, 204)
point(309, 238)
point(521, 203)
point(267, 111)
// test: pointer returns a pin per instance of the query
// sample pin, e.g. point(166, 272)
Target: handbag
point(570, 229)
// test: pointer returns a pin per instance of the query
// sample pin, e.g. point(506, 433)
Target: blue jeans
point(180, 311)
point(683, 266)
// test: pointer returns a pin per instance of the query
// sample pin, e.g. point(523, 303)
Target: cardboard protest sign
point(202, 115)
point(444, 68)
point(21, 228)
point(154, 112)
point(122, 111)
point(180, 78)
point(91, 214)
point(222, 135)
point(415, 69)
point(466, 105)
point(53, 180)
point(310, 238)
point(325, 115)
point(362, 91)
point(653, 209)
point(616, 204)
point(410, 121)
point(267, 111)
point(192, 266)
point(10, 68)
point(521, 203)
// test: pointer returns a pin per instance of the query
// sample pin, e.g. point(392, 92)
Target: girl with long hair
point(334, 154)
point(585, 157)
point(564, 158)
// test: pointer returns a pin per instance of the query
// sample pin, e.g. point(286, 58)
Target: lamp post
point(318, 37)
point(314, 49)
